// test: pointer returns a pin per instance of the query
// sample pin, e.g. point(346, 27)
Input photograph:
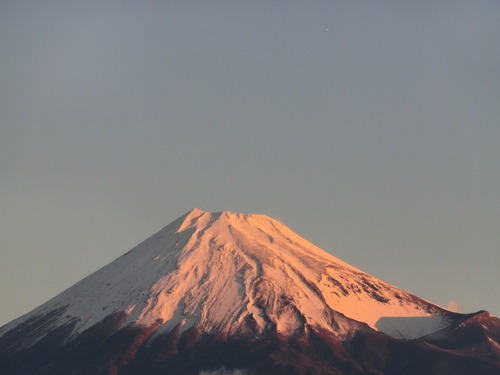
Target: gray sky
point(371, 128)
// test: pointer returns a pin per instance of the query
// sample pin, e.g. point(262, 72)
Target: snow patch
point(411, 327)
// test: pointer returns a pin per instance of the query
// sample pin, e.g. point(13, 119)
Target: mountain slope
point(214, 270)
point(210, 284)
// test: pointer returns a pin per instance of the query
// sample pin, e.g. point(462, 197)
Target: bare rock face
point(228, 293)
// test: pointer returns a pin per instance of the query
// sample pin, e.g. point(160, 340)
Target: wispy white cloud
point(455, 307)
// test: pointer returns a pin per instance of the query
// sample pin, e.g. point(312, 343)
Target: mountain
point(232, 293)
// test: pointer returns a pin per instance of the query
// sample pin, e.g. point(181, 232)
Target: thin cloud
point(455, 307)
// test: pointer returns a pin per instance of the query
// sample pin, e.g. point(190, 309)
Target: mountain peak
point(229, 226)
point(194, 215)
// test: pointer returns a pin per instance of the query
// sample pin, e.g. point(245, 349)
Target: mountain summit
point(225, 290)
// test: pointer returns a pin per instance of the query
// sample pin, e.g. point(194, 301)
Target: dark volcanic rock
point(135, 351)
point(478, 336)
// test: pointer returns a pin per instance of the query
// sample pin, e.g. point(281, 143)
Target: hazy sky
point(371, 128)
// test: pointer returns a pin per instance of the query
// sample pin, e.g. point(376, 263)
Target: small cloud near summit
point(455, 307)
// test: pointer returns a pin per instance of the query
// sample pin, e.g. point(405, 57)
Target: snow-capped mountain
point(210, 279)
